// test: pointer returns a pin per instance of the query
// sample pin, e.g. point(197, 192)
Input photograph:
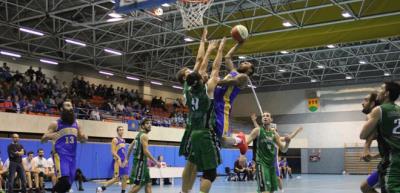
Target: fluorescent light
point(242, 57)
point(188, 39)
point(106, 73)
point(132, 78)
point(10, 54)
point(112, 1)
point(49, 61)
point(251, 86)
point(156, 83)
point(30, 31)
point(287, 24)
point(282, 70)
point(348, 77)
point(331, 46)
point(75, 42)
point(321, 66)
point(115, 15)
point(112, 52)
point(284, 52)
point(362, 62)
point(177, 87)
point(313, 80)
point(165, 5)
point(386, 74)
point(114, 19)
point(346, 14)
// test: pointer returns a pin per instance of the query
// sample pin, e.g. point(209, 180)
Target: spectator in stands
point(30, 73)
point(39, 74)
point(154, 102)
point(40, 169)
point(5, 73)
point(8, 104)
point(15, 152)
point(16, 104)
point(176, 104)
point(120, 107)
point(95, 114)
point(110, 92)
point(240, 168)
point(109, 107)
point(18, 76)
point(23, 103)
point(40, 107)
point(29, 173)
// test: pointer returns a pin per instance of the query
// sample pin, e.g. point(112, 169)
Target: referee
point(15, 152)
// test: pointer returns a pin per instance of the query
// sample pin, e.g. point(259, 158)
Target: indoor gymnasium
point(199, 96)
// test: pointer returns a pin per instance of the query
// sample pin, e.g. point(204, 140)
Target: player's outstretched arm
point(253, 135)
point(295, 132)
point(370, 126)
point(282, 147)
point(51, 133)
point(253, 117)
point(212, 82)
point(204, 64)
point(240, 80)
point(228, 57)
point(201, 51)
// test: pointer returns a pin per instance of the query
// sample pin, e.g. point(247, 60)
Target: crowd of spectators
point(33, 92)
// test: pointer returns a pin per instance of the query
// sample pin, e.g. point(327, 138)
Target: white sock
point(237, 140)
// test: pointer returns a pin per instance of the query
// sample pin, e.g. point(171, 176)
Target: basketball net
point(193, 11)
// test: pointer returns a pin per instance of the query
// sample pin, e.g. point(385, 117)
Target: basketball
point(239, 33)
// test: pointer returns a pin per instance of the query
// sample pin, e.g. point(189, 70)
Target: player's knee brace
point(210, 174)
point(62, 185)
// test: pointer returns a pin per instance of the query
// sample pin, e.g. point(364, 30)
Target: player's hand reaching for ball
point(253, 117)
point(213, 44)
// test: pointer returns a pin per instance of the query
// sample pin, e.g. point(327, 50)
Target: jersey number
point(396, 129)
point(69, 140)
point(195, 104)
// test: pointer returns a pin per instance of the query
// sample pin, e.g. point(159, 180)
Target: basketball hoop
point(193, 11)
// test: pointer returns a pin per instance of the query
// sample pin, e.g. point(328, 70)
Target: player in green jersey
point(140, 175)
point(385, 120)
point(267, 139)
point(204, 152)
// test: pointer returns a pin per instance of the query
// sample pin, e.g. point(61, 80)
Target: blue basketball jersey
point(66, 143)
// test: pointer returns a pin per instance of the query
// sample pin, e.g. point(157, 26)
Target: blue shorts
point(278, 169)
point(65, 166)
point(120, 171)
point(373, 179)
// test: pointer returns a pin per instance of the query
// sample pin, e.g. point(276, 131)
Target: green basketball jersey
point(265, 147)
point(138, 154)
point(199, 104)
point(389, 129)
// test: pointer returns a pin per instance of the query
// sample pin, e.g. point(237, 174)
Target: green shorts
point(205, 151)
point(390, 176)
point(185, 146)
point(266, 178)
point(140, 173)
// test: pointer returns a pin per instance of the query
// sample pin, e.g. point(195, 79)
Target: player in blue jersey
point(224, 95)
point(120, 162)
point(65, 134)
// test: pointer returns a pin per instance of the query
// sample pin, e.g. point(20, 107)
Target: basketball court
point(314, 71)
